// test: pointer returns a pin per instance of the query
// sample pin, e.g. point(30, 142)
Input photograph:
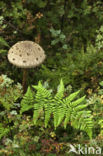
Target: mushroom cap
point(26, 54)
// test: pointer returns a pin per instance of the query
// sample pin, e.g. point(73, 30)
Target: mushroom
point(26, 54)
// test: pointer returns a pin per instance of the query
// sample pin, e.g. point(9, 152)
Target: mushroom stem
point(24, 80)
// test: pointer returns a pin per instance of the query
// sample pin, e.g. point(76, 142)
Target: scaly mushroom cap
point(26, 54)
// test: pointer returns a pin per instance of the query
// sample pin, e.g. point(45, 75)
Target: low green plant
point(101, 126)
point(3, 44)
point(9, 93)
point(79, 68)
point(3, 131)
point(58, 38)
point(95, 104)
point(64, 109)
point(99, 38)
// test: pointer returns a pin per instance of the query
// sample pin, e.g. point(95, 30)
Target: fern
point(58, 107)
point(77, 115)
point(43, 99)
point(28, 101)
point(64, 110)
point(3, 131)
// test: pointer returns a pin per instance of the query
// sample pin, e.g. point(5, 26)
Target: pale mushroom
point(26, 54)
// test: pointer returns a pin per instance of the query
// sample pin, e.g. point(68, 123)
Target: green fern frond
point(60, 92)
point(69, 109)
point(61, 114)
point(41, 91)
point(67, 116)
point(76, 114)
point(55, 110)
point(70, 98)
point(27, 101)
point(77, 102)
point(3, 131)
point(58, 108)
point(83, 121)
point(48, 112)
point(43, 100)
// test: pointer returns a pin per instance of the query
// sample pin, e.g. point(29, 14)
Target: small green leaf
point(3, 51)
point(62, 36)
point(101, 83)
point(101, 28)
point(65, 46)
point(3, 42)
point(54, 41)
